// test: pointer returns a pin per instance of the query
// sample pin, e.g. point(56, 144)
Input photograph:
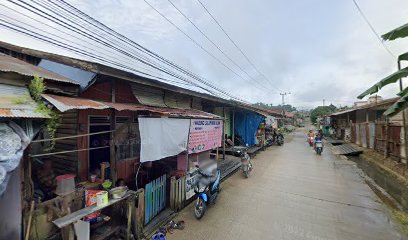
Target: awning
point(399, 32)
point(343, 112)
point(397, 107)
point(16, 102)
point(64, 104)
point(390, 79)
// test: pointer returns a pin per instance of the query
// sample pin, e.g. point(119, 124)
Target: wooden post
point(386, 154)
point(172, 191)
point(112, 137)
point(367, 115)
point(129, 222)
point(233, 126)
point(404, 123)
point(140, 213)
point(223, 135)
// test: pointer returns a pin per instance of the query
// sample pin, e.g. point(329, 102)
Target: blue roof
point(82, 77)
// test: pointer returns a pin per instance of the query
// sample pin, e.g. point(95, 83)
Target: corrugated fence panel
point(372, 135)
point(357, 134)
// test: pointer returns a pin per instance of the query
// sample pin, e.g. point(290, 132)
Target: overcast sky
point(316, 49)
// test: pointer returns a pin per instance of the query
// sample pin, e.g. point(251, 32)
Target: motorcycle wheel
point(199, 209)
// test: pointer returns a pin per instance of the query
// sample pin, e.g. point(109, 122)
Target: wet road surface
point(293, 194)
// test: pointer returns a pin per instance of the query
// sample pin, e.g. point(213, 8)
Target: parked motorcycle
point(319, 147)
point(208, 188)
point(246, 164)
point(280, 140)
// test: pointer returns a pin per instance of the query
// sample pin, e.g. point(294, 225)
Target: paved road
point(293, 194)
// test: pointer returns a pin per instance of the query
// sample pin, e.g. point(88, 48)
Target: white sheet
point(162, 137)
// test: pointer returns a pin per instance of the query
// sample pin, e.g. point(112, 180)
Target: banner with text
point(204, 135)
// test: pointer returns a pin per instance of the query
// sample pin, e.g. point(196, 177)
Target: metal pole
point(223, 135)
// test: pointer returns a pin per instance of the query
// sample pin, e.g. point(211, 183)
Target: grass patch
point(402, 217)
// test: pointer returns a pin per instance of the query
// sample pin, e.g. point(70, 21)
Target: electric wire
point(72, 28)
point(73, 36)
point(236, 46)
point(372, 28)
point(121, 37)
point(197, 44)
point(49, 17)
point(214, 44)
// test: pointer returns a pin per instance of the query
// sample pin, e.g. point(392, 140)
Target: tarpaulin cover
point(246, 125)
point(13, 141)
point(162, 137)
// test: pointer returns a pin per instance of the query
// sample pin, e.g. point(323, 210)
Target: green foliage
point(287, 107)
point(37, 88)
point(321, 111)
point(299, 116)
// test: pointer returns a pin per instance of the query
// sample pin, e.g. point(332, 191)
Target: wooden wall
point(67, 162)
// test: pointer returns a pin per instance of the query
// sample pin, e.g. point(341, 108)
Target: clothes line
point(74, 136)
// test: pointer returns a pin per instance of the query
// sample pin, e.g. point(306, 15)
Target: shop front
point(189, 142)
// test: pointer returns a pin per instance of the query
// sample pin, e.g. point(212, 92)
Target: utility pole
point(324, 102)
point(283, 101)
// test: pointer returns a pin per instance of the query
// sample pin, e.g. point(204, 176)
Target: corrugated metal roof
point(11, 64)
point(67, 103)
point(380, 105)
point(149, 96)
point(64, 104)
point(15, 102)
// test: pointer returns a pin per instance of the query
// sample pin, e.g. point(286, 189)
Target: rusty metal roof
point(64, 104)
point(15, 102)
point(68, 103)
point(378, 105)
point(11, 64)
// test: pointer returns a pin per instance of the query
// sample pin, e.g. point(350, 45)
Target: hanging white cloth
point(162, 137)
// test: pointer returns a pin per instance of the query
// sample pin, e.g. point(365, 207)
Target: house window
point(128, 141)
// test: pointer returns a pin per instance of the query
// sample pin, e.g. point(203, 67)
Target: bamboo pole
point(30, 216)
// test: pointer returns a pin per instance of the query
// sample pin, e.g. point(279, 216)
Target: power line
point(236, 45)
point(372, 28)
point(78, 31)
point(75, 37)
point(194, 41)
point(213, 43)
point(141, 48)
point(128, 41)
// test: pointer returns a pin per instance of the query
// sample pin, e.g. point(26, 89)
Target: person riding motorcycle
point(310, 136)
point(316, 139)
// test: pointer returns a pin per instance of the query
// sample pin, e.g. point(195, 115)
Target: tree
point(322, 111)
point(286, 107)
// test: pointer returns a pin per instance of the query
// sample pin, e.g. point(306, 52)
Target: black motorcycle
point(280, 140)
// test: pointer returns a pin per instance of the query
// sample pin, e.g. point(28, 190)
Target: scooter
point(208, 188)
point(319, 147)
point(311, 141)
point(280, 139)
point(246, 164)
